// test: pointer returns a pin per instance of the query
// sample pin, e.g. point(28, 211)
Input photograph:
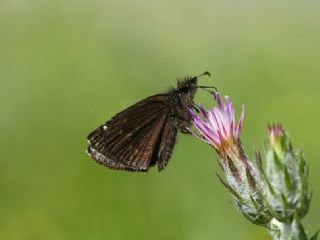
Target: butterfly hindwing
point(133, 139)
point(166, 143)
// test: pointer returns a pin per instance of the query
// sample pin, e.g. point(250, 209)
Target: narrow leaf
point(315, 236)
point(231, 190)
point(277, 161)
point(287, 179)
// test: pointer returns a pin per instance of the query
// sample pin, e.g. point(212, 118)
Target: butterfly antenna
point(206, 88)
point(206, 73)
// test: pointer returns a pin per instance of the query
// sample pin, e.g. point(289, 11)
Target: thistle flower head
point(217, 126)
point(274, 194)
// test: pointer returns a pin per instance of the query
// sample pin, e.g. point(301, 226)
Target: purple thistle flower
point(274, 194)
point(217, 126)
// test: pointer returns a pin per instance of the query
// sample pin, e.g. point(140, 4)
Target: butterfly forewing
point(130, 139)
point(145, 133)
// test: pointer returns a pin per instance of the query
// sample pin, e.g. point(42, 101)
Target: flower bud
point(286, 176)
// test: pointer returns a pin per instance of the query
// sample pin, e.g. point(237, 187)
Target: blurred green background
point(67, 66)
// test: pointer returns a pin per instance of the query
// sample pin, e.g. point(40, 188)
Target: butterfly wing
point(134, 139)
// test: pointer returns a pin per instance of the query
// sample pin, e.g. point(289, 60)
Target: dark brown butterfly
point(145, 133)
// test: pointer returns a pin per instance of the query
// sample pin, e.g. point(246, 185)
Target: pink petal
point(204, 113)
point(218, 100)
point(239, 127)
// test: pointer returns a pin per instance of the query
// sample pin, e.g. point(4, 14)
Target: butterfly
point(144, 134)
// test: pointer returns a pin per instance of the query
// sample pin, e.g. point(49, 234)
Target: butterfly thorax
point(181, 100)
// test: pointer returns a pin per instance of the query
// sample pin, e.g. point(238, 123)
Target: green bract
point(273, 191)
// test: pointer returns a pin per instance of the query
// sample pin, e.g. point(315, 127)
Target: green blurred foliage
point(67, 66)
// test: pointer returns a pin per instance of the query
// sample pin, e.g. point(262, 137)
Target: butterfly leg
point(206, 88)
point(196, 108)
point(184, 127)
point(197, 135)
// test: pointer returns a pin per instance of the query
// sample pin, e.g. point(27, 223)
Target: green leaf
point(302, 235)
point(266, 180)
point(284, 201)
point(301, 164)
point(258, 158)
point(287, 179)
point(305, 197)
point(315, 236)
point(277, 161)
point(233, 169)
point(251, 180)
point(231, 190)
point(255, 204)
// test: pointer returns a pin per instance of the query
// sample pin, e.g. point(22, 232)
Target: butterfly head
point(188, 85)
